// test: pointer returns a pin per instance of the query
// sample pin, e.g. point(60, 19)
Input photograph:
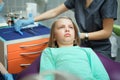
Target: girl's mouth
point(67, 35)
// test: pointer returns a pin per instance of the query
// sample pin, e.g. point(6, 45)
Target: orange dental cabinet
point(19, 51)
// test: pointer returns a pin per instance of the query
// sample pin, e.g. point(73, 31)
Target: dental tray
point(10, 33)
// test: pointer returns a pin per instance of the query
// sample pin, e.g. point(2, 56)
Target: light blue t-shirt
point(81, 62)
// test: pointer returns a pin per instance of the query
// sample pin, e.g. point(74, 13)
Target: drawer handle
point(30, 53)
point(32, 45)
point(24, 65)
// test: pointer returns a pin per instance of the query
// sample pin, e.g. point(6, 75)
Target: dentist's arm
point(1, 1)
point(51, 13)
point(101, 34)
point(1, 5)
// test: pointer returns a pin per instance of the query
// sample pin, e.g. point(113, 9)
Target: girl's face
point(64, 32)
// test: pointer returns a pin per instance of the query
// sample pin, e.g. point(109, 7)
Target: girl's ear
point(74, 42)
point(54, 39)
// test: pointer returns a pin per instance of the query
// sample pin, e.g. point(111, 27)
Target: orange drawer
point(17, 65)
point(25, 46)
point(27, 52)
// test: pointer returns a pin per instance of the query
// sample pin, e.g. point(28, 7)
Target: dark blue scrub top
point(90, 20)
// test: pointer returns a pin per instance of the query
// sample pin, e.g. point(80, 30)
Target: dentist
point(95, 19)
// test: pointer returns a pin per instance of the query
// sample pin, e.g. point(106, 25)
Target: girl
point(65, 54)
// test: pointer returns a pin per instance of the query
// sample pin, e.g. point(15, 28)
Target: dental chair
point(112, 67)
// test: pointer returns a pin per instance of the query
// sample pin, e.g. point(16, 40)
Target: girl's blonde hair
point(52, 43)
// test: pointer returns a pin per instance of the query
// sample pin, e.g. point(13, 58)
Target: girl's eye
point(60, 27)
point(71, 27)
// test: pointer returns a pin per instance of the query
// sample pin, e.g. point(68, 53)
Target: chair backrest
point(112, 67)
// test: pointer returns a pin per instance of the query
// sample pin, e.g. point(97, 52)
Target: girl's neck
point(65, 45)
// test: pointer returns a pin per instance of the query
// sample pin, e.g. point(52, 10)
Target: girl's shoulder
point(88, 50)
point(46, 49)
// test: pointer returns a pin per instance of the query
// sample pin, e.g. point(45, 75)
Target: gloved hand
point(1, 6)
point(8, 76)
point(21, 23)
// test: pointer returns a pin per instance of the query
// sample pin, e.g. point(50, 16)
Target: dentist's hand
point(21, 23)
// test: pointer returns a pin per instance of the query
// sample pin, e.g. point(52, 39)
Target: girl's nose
point(67, 29)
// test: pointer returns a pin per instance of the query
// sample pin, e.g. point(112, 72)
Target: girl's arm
point(47, 63)
point(97, 68)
